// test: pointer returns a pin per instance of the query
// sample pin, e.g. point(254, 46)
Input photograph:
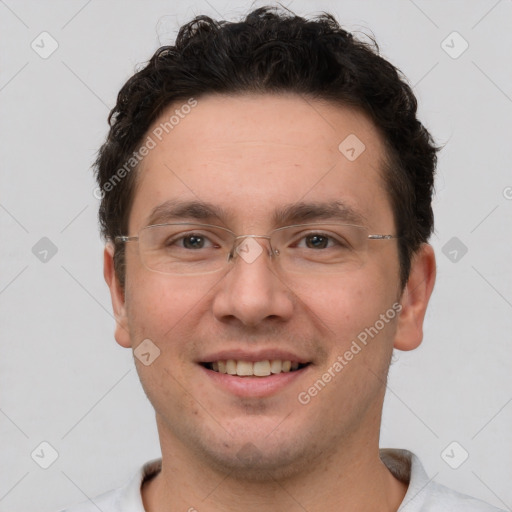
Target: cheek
point(164, 310)
point(350, 308)
point(159, 306)
point(344, 300)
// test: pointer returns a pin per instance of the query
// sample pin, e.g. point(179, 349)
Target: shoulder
point(441, 498)
point(426, 495)
point(423, 493)
point(125, 499)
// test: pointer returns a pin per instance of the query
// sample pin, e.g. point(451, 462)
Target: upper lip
point(253, 356)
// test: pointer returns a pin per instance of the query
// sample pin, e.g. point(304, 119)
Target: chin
point(260, 461)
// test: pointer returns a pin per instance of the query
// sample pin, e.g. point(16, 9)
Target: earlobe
point(117, 296)
point(415, 299)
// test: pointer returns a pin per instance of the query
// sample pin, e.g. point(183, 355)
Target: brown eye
point(193, 242)
point(317, 241)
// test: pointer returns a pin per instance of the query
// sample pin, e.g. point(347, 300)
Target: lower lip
point(256, 387)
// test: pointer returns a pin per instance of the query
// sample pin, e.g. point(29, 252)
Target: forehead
point(255, 155)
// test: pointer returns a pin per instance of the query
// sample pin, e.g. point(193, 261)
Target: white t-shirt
point(423, 494)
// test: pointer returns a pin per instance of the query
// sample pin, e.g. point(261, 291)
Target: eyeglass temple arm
point(126, 238)
point(381, 237)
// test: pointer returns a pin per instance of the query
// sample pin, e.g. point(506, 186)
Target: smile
point(263, 368)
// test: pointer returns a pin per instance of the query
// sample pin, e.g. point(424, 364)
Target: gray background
point(65, 381)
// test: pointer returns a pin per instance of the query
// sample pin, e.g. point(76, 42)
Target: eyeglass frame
point(272, 252)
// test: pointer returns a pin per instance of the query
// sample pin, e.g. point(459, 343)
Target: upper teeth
point(258, 368)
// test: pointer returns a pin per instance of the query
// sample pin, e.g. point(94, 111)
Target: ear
point(415, 299)
point(117, 295)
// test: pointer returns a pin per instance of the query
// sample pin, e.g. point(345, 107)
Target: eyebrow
point(304, 212)
point(179, 210)
point(174, 210)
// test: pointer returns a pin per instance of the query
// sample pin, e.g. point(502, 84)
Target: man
point(266, 200)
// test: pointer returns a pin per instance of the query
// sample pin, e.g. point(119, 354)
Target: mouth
point(264, 368)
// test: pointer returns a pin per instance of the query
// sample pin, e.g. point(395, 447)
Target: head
point(250, 118)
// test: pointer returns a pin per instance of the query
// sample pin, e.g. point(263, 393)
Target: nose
point(252, 291)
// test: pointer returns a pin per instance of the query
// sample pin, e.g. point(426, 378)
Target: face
point(248, 158)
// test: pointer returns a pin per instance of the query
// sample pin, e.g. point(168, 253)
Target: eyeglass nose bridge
point(246, 255)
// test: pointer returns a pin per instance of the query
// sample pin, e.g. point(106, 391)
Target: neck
point(351, 478)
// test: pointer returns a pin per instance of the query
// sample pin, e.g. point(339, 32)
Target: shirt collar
point(403, 464)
